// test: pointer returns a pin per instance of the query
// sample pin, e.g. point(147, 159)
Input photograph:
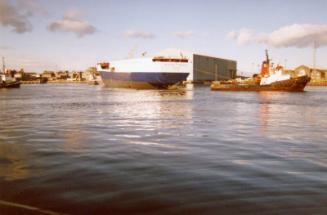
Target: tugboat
point(6, 81)
point(269, 79)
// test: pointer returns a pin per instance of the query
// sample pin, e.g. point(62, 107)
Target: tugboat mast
point(267, 58)
point(265, 67)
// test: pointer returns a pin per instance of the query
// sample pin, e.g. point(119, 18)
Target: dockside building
point(209, 68)
point(204, 68)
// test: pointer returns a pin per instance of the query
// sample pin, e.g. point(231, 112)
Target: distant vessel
point(145, 73)
point(270, 79)
point(5, 80)
point(5, 83)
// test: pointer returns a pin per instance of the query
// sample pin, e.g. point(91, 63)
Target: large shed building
point(208, 68)
point(204, 68)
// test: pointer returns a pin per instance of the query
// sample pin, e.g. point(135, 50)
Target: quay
point(38, 81)
point(318, 83)
point(67, 82)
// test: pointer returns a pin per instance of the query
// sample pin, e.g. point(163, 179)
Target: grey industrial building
point(208, 68)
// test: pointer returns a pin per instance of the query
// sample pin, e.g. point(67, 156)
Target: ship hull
point(15, 84)
point(291, 85)
point(142, 80)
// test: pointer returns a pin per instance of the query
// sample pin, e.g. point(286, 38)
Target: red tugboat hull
point(291, 85)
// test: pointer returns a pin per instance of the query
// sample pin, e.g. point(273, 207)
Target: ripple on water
point(90, 150)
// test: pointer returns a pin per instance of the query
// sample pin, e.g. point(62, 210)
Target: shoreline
point(318, 83)
point(204, 83)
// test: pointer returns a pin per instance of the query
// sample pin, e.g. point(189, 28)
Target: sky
point(40, 35)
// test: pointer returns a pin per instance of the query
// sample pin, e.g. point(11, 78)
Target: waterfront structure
point(49, 75)
point(210, 68)
point(90, 74)
point(205, 68)
point(30, 76)
point(76, 76)
point(62, 75)
point(316, 74)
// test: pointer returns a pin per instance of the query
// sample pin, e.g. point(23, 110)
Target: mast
point(216, 72)
point(267, 58)
point(265, 67)
point(3, 65)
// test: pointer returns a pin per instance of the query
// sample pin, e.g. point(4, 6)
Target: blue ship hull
point(142, 80)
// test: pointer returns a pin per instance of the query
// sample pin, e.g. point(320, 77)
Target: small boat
point(15, 84)
point(7, 82)
point(270, 79)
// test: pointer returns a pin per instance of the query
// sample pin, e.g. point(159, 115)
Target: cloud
point(288, 36)
point(139, 34)
point(14, 17)
point(32, 7)
point(184, 34)
point(74, 14)
point(17, 15)
point(72, 22)
point(242, 37)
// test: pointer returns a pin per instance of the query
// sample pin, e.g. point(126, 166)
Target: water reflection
point(281, 116)
point(13, 162)
point(76, 140)
point(150, 109)
point(264, 118)
point(264, 111)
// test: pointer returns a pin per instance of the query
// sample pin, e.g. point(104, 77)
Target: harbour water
point(79, 149)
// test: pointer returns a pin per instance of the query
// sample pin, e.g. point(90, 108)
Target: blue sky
point(110, 30)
